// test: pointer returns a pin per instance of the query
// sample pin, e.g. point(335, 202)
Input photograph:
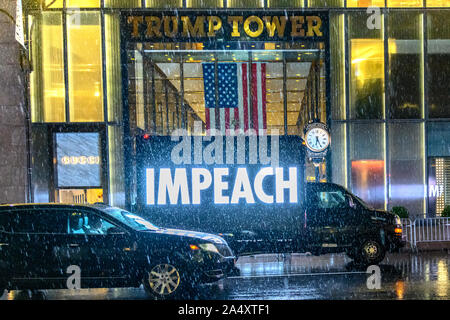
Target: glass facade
point(385, 96)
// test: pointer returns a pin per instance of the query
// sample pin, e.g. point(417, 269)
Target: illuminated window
point(365, 3)
point(438, 3)
point(50, 4)
point(204, 3)
point(85, 67)
point(164, 4)
point(83, 3)
point(285, 3)
point(47, 88)
point(366, 69)
point(325, 3)
point(405, 3)
point(122, 3)
point(245, 3)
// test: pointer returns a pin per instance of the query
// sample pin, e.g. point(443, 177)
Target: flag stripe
point(207, 118)
point(245, 95)
point(254, 97)
point(263, 100)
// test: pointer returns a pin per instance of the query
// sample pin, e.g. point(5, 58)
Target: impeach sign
point(260, 26)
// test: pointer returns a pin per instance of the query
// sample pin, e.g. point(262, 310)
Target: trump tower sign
point(161, 26)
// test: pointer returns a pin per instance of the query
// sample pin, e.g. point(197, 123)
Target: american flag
point(239, 106)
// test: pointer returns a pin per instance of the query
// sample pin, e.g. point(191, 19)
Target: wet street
point(300, 276)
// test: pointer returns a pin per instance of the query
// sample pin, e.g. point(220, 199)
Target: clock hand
point(318, 142)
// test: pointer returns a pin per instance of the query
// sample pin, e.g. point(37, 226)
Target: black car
point(336, 220)
point(46, 246)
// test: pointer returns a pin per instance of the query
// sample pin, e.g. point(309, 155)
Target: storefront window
point(438, 67)
point(405, 91)
point(406, 167)
point(438, 143)
point(438, 185)
point(367, 156)
point(85, 66)
point(439, 139)
point(47, 79)
point(366, 69)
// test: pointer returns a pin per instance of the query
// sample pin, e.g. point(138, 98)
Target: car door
point(330, 218)
point(34, 234)
point(102, 249)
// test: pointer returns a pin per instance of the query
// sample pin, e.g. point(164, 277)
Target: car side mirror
point(351, 202)
point(115, 230)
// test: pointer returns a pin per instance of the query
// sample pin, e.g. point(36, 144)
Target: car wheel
point(165, 281)
point(370, 252)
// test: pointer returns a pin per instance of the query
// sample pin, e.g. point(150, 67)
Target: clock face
point(317, 139)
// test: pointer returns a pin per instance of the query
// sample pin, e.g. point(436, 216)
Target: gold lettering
point(170, 33)
point(297, 26)
point(135, 21)
point(215, 23)
point(235, 20)
point(198, 30)
point(314, 28)
point(273, 23)
point(258, 31)
point(153, 27)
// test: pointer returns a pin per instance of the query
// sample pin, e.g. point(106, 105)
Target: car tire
point(167, 281)
point(370, 252)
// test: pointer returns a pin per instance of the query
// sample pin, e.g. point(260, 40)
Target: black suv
point(46, 246)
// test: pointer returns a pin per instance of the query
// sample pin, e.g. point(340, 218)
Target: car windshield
point(130, 219)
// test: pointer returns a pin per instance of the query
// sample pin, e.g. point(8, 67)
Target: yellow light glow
point(367, 59)
point(404, 3)
point(438, 3)
point(364, 3)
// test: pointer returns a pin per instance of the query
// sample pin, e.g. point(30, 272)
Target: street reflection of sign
point(78, 159)
point(224, 25)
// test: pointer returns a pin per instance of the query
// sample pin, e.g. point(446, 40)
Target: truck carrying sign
point(214, 183)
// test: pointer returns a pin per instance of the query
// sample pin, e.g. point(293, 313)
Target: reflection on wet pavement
point(300, 276)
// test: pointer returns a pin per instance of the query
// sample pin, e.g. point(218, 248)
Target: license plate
point(329, 245)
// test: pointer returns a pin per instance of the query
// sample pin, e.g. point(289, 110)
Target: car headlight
point(208, 247)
